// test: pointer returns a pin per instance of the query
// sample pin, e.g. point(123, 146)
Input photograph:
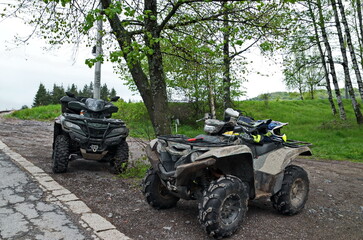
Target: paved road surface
point(24, 211)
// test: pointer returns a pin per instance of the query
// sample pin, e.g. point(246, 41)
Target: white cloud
point(23, 68)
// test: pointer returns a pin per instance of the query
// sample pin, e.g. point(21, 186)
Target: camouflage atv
point(224, 171)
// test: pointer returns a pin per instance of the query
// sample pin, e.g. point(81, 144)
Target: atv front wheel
point(294, 191)
point(223, 206)
point(60, 154)
point(121, 157)
point(156, 194)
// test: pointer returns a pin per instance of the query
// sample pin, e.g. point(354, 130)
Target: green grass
point(136, 170)
point(42, 113)
point(312, 121)
point(309, 120)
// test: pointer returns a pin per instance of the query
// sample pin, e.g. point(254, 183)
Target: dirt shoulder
point(334, 209)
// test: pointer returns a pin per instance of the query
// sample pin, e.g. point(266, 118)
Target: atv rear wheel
point(294, 191)
point(60, 154)
point(121, 158)
point(156, 194)
point(223, 206)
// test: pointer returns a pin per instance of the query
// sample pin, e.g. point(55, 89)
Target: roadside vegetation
point(309, 120)
point(198, 51)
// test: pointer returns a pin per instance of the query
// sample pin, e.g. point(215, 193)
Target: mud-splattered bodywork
point(179, 164)
point(269, 168)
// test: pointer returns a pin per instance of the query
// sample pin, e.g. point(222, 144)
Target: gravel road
point(334, 209)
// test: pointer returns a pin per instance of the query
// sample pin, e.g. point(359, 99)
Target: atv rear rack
point(199, 141)
point(296, 144)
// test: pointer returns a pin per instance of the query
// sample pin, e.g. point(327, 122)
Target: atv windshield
point(95, 104)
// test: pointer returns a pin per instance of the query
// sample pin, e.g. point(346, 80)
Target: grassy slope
point(308, 120)
point(312, 121)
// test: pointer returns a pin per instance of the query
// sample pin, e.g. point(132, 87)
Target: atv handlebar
point(206, 116)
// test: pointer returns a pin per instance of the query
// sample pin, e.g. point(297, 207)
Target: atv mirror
point(115, 98)
point(69, 94)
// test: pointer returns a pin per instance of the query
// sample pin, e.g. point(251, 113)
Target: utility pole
point(98, 52)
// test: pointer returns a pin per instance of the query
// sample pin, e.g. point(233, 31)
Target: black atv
point(225, 168)
point(85, 130)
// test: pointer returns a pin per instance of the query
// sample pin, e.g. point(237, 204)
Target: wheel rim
point(298, 192)
point(230, 209)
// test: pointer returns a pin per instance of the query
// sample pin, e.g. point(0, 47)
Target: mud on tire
point(294, 191)
point(121, 158)
point(60, 154)
point(223, 206)
point(156, 194)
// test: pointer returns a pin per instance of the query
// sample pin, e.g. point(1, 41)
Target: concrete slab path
point(34, 206)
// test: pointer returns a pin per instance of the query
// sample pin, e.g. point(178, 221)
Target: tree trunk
point(348, 81)
point(226, 61)
point(301, 91)
point(212, 105)
point(351, 48)
point(323, 62)
point(196, 102)
point(360, 32)
point(156, 72)
point(153, 88)
point(311, 90)
point(331, 62)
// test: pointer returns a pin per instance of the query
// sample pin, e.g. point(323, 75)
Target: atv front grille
point(97, 130)
point(97, 133)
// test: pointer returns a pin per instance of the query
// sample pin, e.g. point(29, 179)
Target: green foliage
point(72, 89)
point(136, 169)
point(57, 93)
point(266, 98)
point(136, 117)
point(309, 120)
point(41, 113)
point(105, 93)
point(318, 94)
point(312, 121)
point(42, 97)
point(192, 34)
point(87, 91)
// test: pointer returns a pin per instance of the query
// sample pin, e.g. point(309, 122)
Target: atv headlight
point(70, 125)
point(118, 131)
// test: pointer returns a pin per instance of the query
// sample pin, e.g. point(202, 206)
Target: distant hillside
point(318, 94)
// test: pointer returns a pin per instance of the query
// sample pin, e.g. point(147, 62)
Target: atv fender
point(152, 143)
point(269, 168)
point(57, 129)
point(275, 162)
point(58, 119)
point(153, 155)
point(236, 160)
point(223, 152)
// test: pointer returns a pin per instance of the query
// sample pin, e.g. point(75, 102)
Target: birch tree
point(322, 58)
point(345, 64)
point(350, 47)
point(321, 23)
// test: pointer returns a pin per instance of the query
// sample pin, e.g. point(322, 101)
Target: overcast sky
point(23, 68)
